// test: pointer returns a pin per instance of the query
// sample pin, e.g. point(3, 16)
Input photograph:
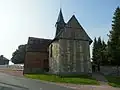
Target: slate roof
point(37, 44)
point(74, 18)
point(60, 22)
point(60, 17)
point(4, 58)
point(67, 25)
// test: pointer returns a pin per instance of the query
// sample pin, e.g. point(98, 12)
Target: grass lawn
point(75, 80)
point(113, 80)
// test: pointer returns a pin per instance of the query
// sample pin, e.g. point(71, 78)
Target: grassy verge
point(113, 80)
point(75, 80)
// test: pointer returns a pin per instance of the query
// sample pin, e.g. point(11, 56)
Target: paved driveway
point(9, 82)
point(13, 80)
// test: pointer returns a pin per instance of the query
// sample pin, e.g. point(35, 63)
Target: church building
point(69, 51)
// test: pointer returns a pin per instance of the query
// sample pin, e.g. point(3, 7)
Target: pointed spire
point(60, 22)
point(60, 17)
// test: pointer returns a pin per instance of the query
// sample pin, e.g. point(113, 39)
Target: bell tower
point(60, 23)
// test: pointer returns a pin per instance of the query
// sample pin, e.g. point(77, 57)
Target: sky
point(20, 19)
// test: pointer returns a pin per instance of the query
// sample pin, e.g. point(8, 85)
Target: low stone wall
point(12, 67)
point(16, 67)
point(109, 70)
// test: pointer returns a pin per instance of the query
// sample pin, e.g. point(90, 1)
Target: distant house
point(36, 58)
point(3, 60)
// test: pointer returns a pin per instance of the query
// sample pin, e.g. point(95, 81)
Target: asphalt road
point(9, 82)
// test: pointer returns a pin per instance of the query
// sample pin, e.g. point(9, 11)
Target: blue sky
point(20, 19)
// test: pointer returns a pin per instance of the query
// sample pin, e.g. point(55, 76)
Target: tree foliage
point(94, 51)
point(109, 54)
point(104, 54)
point(100, 54)
point(114, 39)
point(19, 55)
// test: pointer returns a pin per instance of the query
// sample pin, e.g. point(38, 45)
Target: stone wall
point(74, 56)
point(54, 57)
point(69, 56)
point(109, 70)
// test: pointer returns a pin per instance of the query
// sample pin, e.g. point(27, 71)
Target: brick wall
point(35, 62)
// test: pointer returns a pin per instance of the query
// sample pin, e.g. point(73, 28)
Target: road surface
point(13, 81)
point(9, 82)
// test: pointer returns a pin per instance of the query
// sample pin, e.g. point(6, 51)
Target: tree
point(110, 60)
point(94, 51)
point(19, 55)
point(104, 54)
point(114, 38)
point(100, 54)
